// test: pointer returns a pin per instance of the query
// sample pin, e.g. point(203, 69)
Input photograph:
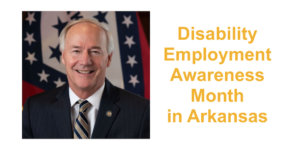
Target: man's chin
point(84, 87)
point(88, 86)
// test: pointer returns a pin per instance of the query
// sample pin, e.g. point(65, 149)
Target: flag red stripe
point(29, 90)
point(145, 51)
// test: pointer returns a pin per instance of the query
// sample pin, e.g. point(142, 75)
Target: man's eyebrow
point(75, 46)
point(93, 47)
point(96, 47)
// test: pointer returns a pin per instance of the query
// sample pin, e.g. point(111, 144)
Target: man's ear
point(109, 57)
point(62, 58)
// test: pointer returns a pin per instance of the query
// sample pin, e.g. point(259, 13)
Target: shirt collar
point(93, 99)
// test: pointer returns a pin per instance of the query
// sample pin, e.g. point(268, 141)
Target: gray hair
point(62, 36)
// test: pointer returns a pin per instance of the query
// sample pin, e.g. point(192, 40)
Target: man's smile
point(84, 71)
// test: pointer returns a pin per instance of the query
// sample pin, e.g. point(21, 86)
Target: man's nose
point(85, 58)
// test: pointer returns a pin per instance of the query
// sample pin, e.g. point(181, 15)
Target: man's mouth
point(85, 71)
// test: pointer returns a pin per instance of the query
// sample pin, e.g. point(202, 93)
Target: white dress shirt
point(92, 112)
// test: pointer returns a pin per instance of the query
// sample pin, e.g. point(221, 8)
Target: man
point(89, 106)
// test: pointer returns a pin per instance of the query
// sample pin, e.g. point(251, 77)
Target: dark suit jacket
point(48, 115)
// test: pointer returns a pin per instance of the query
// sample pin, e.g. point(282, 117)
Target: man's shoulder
point(48, 96)
point(128, 94)
point(127, 98)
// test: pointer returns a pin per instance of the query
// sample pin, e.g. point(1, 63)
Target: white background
point(277, 25)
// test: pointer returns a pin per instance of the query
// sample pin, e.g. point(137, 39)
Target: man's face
point(85, 57)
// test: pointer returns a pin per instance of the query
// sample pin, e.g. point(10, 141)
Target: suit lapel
point(108, 111)
point(62, 114)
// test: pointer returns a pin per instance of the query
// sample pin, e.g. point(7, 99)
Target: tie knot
point(83, 105)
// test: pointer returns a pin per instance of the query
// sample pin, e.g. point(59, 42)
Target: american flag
point(42, 67)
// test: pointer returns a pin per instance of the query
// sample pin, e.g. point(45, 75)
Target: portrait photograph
point(85, 74)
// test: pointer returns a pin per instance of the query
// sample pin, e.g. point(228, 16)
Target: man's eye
point(96, 52)
point(75, 51)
